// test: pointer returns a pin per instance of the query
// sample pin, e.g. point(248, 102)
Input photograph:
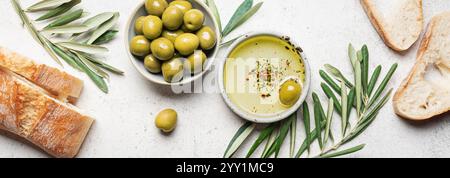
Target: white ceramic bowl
point(158, 78)
point(266, 118)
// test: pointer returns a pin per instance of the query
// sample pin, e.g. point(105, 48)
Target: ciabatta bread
point(426, 91)
point(398, 22)
point(26, 111)
point(58, 83)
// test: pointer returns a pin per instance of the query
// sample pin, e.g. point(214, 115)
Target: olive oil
point(255, 70)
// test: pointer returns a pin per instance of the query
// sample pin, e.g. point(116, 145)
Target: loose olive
point(184, 6)
point(195, 62)
point(152, 27)
point(156, 7)
point(140, 46)
point(193, 19)
point(187, 43)
point(162, 49)
point(138, 25)
point(166, 120)
point(172, 35)
point(152, 64)
point(172, 18)
point(172, 70)
point(290, 92)
point(207, 38)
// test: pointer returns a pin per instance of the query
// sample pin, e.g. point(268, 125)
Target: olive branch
point(83, 43)
point(359, 96)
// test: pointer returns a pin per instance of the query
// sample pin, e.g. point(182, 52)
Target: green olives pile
point(172, 39)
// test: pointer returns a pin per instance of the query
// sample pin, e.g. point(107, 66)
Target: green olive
point(162, 49)
point(172, 70)
point(156, 7)
point(185, 29)
point(172, 18)
point(152, 27)
point(290, 92)
point(193, 19)
point(184, 6)
point(207, 38)
point(138, 25)
point(172, 35)
point(166, 120)
point(152, 64)
point(140, 46)
point(194, 63)
point(187, 43)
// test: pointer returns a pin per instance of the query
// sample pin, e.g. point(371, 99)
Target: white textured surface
point(124, 117)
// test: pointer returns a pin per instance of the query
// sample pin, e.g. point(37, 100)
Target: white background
point(124, 117)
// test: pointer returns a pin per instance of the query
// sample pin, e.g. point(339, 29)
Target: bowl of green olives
point(172, 42)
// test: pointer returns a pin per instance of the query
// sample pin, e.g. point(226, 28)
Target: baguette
point(56, 127)
point(60, 84)
point(398, 22)
point(425, 93)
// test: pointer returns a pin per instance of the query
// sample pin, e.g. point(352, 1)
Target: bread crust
point(60, 84)
point(418, 68)
point(56, 127)
point(375, 19)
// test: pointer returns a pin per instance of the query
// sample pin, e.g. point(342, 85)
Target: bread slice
point(58, 83)
point(26, 111)
point(398, 22)
point(426, 91)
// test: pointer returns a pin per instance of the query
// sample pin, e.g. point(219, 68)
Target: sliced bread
point(58, 83)
point(398, 22)
point(56, 127)
point(426, 91)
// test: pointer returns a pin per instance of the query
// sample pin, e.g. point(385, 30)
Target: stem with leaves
point(77, 53)
point(244, 12)
point(352, 96)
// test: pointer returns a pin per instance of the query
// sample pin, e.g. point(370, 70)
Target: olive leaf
point(212, 5)
point(104, 28)
point(383, 84)
point(270, 141)
point(352, 55)
point(106, 37)
point(104, 65)
point(337, 74)
point(284, 130)
point(373, 80)
point(307, 123)
point(344, 100)
point(229, 42)
point(46, 4)
point(98, 19)
point(293, 136)
point(241, 10)
point(67, 29)
point(90, 49)
point(59, 10)
point(317, 119)
point(265, 134)
point(365, 69)
point(329, 120)
point(91, 65)
point(344, 152)
point(65, 19)
point(239, 138)
point(246, 16)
